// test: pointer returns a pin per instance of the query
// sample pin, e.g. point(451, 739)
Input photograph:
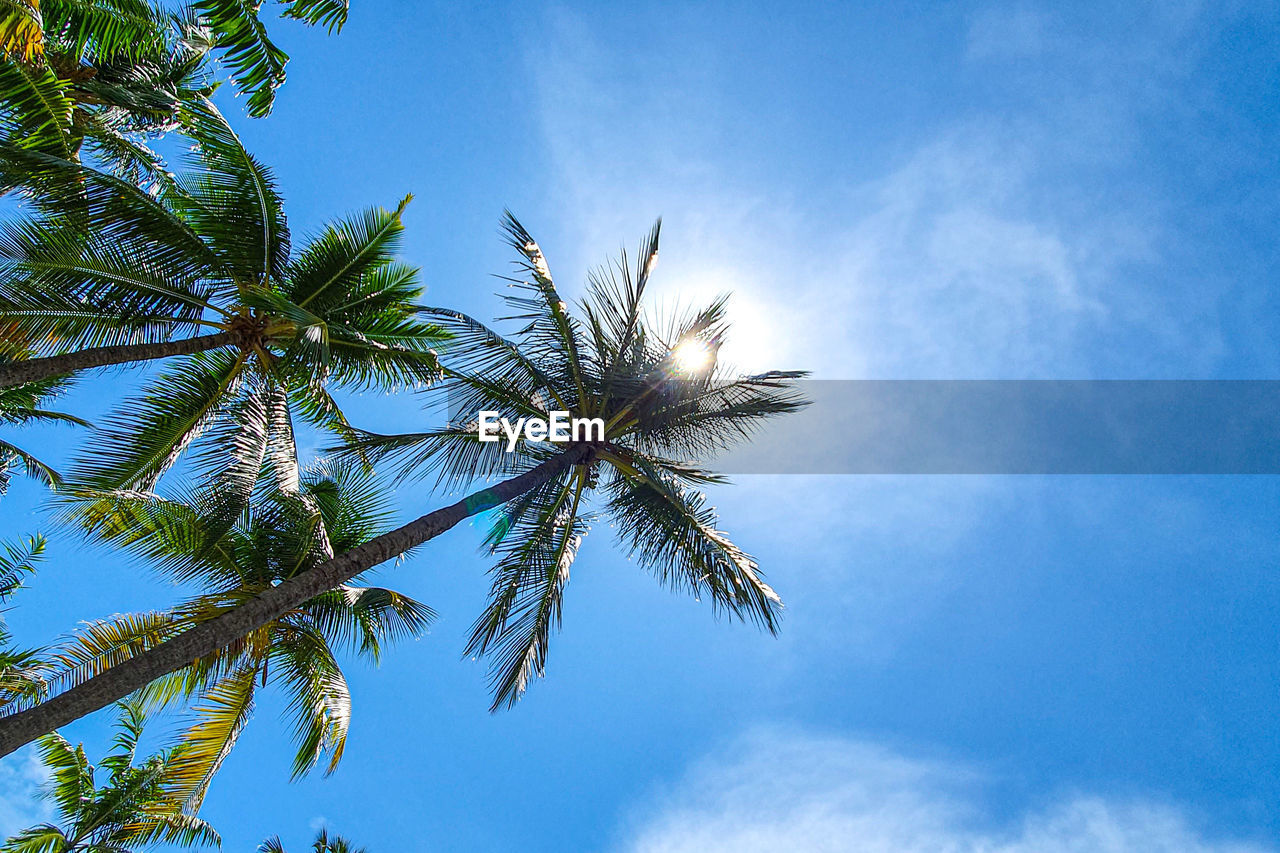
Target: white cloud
point(21, 777)
point(777, 791)
point(951, 272)
point(997, 245)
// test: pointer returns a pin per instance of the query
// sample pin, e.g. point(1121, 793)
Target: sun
point(691, 356)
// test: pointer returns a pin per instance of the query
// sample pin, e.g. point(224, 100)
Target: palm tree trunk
point(117, 682)
point(34, 369)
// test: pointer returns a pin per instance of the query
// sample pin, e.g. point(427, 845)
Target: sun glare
point(692, 356)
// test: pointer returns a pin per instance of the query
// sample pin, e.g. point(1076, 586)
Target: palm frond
point(75, 194)
point(550, 334)
point(110, 29)
point(17, 561)
point(130, 722)
point(354, 505)
point(537, 540)
point(232, 200)
point(21, 30)
point(330, 14)
point(68, 290)
point(670, 530)
point(342, 254)
point(366, 618)
point(179, 539)
point(256, 64)
point(71, 773)
point(176, 828)
point(613, 311)
point(135, 446)
point(32, 466)
point(223, 712)
point(22, 677)
point(35, 110)
point(475, 350)
point(44, 838)
point(319, 699)
point(696, 419)
point(98, 646)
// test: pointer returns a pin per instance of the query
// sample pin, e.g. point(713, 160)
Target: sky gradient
point(950, 191)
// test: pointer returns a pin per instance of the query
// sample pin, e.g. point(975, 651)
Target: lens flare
point(692, 356)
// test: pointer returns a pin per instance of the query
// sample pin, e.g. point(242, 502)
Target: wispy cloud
point(21, 777)
point(790, 791)
point(997, 244)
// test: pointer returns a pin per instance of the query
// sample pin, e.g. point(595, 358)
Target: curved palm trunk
point(34, 369)
point(17, 730)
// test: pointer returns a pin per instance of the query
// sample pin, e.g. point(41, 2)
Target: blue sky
point(961, 190)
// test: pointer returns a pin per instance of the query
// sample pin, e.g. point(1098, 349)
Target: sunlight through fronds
point(668, 406)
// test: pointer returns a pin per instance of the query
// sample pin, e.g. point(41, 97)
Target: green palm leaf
point(256, 64)
point(21, 405)
point(21, 29)
point(134, 447)
point(330, 14)
point(35, 110)
point(17, 561)
point(319, 699)
point(109, 28)
point(222, 713)
point(134, 807)
point(538, 540)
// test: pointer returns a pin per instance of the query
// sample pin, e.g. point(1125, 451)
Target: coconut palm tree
point(324, 843)
point(134, 808)
point(202, 274)
point(108, 76)
point(334, 509)
point(668, 405)
point(108, 70)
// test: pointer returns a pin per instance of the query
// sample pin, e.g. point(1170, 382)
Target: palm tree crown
point(112, 273)
point(135, 806)
point(107, 77)
point(665, 416)
point(115, 73)
point(324, 843)
point(334, 509)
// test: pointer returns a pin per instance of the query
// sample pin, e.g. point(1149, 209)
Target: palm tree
point(202, 272)
point(102, 70)
point(21, 405)
point(110, 73)
point(323, 844)
point(334, 509)
point(666, 411)
point(135, 808)
point(21, 670)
